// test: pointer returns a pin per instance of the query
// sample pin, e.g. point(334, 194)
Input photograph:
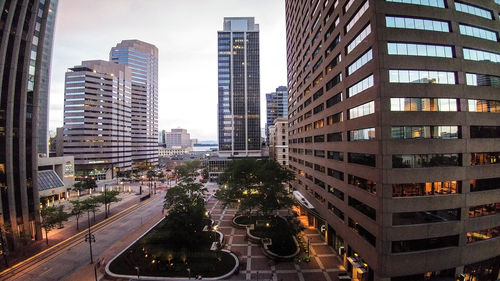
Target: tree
point(52, 216)
point(255, 184)
point(161, 176)
point(185, 202)
point(77, 211)
point(107, 198)
point(91, 204)
point(84, 184)
point(205, 176)
point(150, 174)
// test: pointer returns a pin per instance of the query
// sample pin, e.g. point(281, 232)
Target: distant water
point(205, 148)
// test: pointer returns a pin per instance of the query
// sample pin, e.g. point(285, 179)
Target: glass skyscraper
point(239, 88)
point(24, 33)
point(142, 59)
point(276, 106)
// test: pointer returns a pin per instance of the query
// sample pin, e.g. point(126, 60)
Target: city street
point(74, 255)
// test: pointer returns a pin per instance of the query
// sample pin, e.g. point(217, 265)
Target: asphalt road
point(60, 264)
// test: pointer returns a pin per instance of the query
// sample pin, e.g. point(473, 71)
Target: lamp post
point(138, 277)
point(308, 246)
point(90, 238)
point(105, 201)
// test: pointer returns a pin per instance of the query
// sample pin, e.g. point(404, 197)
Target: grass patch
point(276, 228)
point(158, 253)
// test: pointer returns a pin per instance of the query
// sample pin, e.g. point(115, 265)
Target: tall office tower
point(177, 138)
point(394, 130)
point(23, 33)
point(44, 97)
point(239, 88)
point(142, 59)
point(277, 106)
point(161, 138)
point(97, 117)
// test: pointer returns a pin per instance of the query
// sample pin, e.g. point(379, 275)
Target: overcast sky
point(185, 32)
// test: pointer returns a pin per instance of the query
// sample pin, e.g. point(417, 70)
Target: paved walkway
point(324, 265)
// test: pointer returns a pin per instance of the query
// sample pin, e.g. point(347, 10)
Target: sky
point(185, 32)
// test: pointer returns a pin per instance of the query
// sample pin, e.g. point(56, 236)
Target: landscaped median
point(275, 233)
point(154, 257)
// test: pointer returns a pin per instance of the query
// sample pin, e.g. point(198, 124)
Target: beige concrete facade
point(278, 141)
point(355, 184)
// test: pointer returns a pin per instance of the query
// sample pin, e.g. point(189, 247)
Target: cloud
point(185, 33)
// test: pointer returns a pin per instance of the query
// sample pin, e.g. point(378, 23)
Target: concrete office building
point(276, 106)
point(278, 141)
point(239, 88)
point(24, 34)
point(394, 133)
point(178, 138)
point(97, 117)
point(142, 59)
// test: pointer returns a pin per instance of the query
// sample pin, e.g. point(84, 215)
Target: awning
point(304, 202)
point(49, 180)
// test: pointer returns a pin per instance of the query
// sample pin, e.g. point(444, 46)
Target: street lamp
point(138, 277)
point(105, 201)
point(90, 238)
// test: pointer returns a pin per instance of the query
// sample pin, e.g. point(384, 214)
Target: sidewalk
point(86, 272)
point(69, 229)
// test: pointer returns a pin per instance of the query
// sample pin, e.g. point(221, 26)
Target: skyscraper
point(97, 117)
point(24, 34)
point(394, 133)
point(178, 138)
point(142, 59)
point(277, 106)
point(44, 97)
point(239, 88)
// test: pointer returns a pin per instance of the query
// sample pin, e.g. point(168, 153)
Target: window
point(486, 132)
point(477, 32)
point(479, 55)
point(360, 86)
point(362, 60)
point(318, 108)
point(473, 79)
point(319, 138)
point(359, 38)
point(357, 16)
point(334, 137)
point(336, 211)
point(335, 155)
point(365, 159)
point(334, 100)
point(421, 76)
point(332, 46)
point(363, 208)
point(422, 50)
point(408, 218)
point(484, 210)
point(426, 188)
point(334, 81)
point(333, 119)
point(319, 153)
point(485, 158)
point(336, 174)
point(424, 244)
point(426, 132)
point(362, 134)
point(484, 106)
point(431, 3)
point(417, 23)
point(484, 184)
point(333, 63)
point(362, 110)
point(426, 160)
point(367, 185)
point(473, 10)
point(336, 192)
point(424, 104)
point(365, 234)
point(481, 235)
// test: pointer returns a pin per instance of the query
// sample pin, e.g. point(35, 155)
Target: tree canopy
point(255, 184)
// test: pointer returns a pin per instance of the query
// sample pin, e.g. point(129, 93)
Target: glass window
point(492, 106)
point(484, 210)
point(362, 208)
point(474, 79)
point(357, 16)
point(425, 50)
point(481, 235)
point(426, 160)
point(417, 23)
point(362, 110)
point(473, 10)
point(430, 216)
point(477, 132)
point(365, 184)
point(421, 76)
point(358, 63)
point(426, 132)
point(359, 38)
point(424, 104)
point(424, 244)
point(484, 158)
point(362, 134)
point(426, 188)
point(479, 55)
point(360, 86)
point(365, 159)
point(431, 3)
point(478, 32)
